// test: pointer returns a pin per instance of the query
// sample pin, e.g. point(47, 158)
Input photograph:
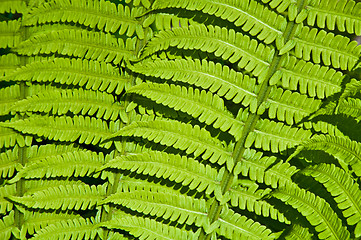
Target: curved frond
point(77, 101)
point(192, 139)
point(316, 210)
point(275, 136)
point(9, 162)
point(145, 228)
point(100, 14)
point(343, 14)
point(8, 96)
point(13, 6)
point(350, 107)
point(308, 78)
point(298, 233)
point(290, 107)
point(209, 75)
point(186, 171)
point(255, 18)
point(175, 207)
point(77, 229)
point(205, 106)
point(328, 48)
point(344, 190)
point(79, 43)
point(265, 169)
point(80, 72)
point(9, 137)
point(71, 164)
point(64, 197)
point(8, 64)
point(343, 149)
point(234, 226)
point(7, 226)
point(250, 199)
point(227, 44)
point(78, 128)
point(9, 33)
point(5, 205)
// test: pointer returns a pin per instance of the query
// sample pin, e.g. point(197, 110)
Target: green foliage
point(183, 119)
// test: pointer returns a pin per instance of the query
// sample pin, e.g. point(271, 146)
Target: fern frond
point(9, 33)
point(205, 106)
point(316, 210)
point(64, 197)
point(77, 101)
point(344, 190)
point(100, 14)
point(5, 205)
point(350, 107)
point(290, 107)
point(9, 138)
point(72, 164)
point(9, 162)
point(334, 50)
point(265, 169)
point(78, 128)
point(79, 43)
point(343, 149)
point(80, 72)
point(328, 14)
point(226, 44)
point(250, 199)
point(77, 229)
point(8, 64)
point(205, 74)
point(175, 207)
point(145, 228)
point(7, 227)
point(234, 226)
point(281, 5)
point(36, 185)
point(8, 96)
point(308, 78)
point(275, 136)
point(164, 21)
point(298, 232)
point(186, 171)
point(13, 6)
point(192, 139)
point(353, 87)
point(35, 221)
point(254, 17)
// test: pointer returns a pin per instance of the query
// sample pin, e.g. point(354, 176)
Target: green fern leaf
point(64, 197)
point(320, 81)
point(350, 107)
point(79, 43)
point(343, 149)
point(316, 210)
point(265, 169)
point(8, 64)
point(8, 96)
point(235, 226)
point(328, 14)
point(7, 227)
point(13, 6)
point(205, 106)
point(9, 33)
point(145, 228)
point(77, 229)
point(100, 14)
point(175, 207)
point(5, 205)
point(227, 44)
point(192, 139)
point(298, 232)
point(99, 104)
point(254, 17)
point(9, 138)
point(186, 171)
point(334, 50)
point(84, 73)
point(9, 163)
point(83, 129)
point(205, 74)
point(342, 187)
